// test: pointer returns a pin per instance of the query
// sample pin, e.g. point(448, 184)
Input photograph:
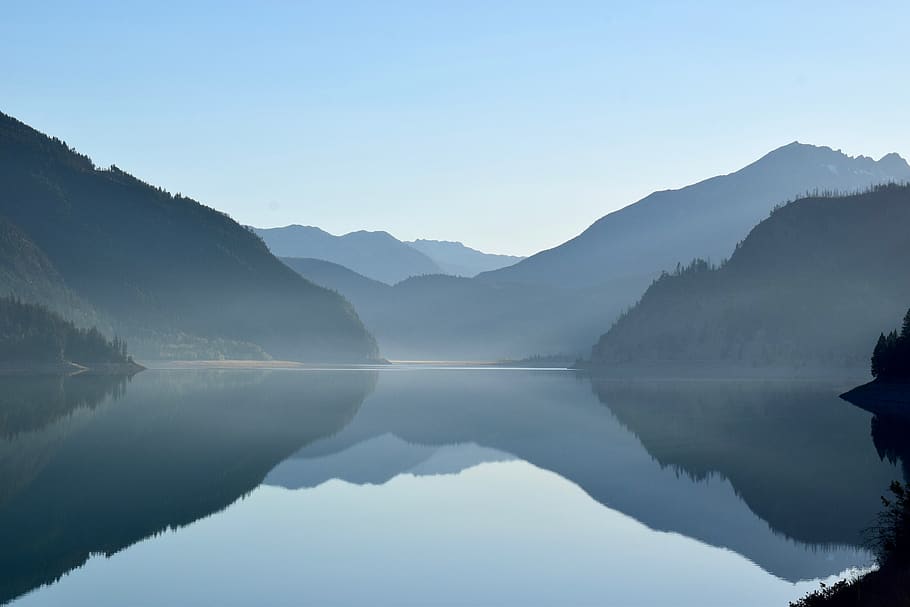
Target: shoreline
point(69, 369)
point(266, 365)
point(883, 398)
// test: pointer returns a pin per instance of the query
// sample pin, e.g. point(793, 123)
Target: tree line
point(891, 357)
point(32, 333)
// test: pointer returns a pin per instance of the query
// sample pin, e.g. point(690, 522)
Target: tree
point(889, 538)
point(879, 355)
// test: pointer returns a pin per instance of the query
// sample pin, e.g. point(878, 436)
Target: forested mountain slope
point(26, 272)
point(164, 267)
point(806, 289)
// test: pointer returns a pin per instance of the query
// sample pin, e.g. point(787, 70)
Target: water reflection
point(798, 456)
point(784, 474)
point(173, 448)
point(501, 534)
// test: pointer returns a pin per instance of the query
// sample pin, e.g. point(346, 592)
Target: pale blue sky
point(508, 125)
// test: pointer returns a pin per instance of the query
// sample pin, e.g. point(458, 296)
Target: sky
point(509, 126)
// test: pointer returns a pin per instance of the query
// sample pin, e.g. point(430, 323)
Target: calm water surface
point(430, 487)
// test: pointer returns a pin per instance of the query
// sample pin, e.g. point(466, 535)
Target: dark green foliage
point(25, 271)
point(798, 293)
point(30, 333)
point(160, 265)
point(891, 357)
point(889, 538)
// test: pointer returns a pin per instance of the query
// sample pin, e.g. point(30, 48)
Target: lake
point(431, 486)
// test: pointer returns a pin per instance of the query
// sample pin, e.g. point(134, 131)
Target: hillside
point(355, 287)
point(704, 220)
point(806, 289)
point(26, 272)
point(376, 255)
point(164, 268)
point(437, 317)
point(459, 260)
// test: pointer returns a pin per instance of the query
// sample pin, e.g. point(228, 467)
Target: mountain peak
point(796, 150)
point(894, 162)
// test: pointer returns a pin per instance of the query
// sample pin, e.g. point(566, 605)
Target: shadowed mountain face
point(780, 472)
point(376, 255)
point(703, 220)
point(27, 273)
point(163, 268)
point(106, 467)
point(458, 260)
point(810, 287)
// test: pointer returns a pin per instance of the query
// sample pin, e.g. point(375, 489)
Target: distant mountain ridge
point(379, 255)
point(164, 269)
point(558, 301)
point(808, 289)
point(704, 220)
point(459, 260)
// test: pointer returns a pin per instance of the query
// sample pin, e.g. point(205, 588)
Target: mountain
point(355, 287)
point(27, 273)
point(437, 316)
point(377, 255)
point(165, 269)
point(704, 220)
point(458, 260)
point(808, 289)
point(539, 306)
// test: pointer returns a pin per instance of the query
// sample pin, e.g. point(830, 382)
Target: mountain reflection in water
point(781, 473)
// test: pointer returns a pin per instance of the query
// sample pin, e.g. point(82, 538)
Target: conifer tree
point(878, 355)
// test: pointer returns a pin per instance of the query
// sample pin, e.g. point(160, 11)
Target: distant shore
point(163, 365)
point(722, 369)
point(289, 364)
point(69, 368)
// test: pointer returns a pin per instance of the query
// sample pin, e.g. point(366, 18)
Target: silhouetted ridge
point(458, 260)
